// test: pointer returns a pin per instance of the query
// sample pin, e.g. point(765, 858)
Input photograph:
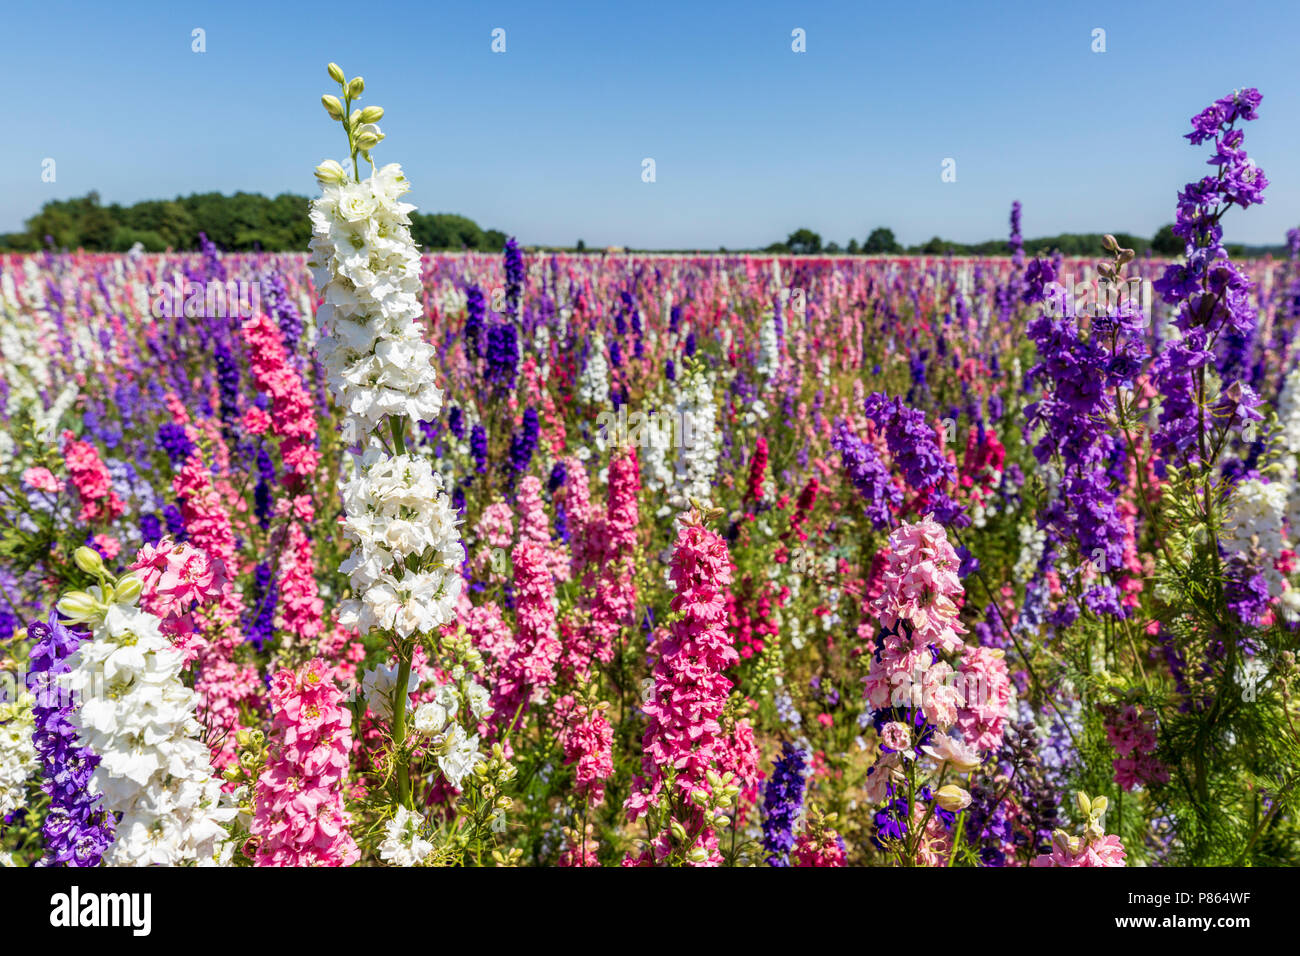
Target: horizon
point(546, 141)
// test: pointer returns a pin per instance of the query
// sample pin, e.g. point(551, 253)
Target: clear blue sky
point(750, 139)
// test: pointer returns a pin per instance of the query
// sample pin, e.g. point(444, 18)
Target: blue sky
point(750, 139)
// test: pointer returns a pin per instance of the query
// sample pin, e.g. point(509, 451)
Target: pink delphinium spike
point(299, 815)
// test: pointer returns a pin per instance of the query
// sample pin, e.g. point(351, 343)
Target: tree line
point(242, 222)
point(881, 242)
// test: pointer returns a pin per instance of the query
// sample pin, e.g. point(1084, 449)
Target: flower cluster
point(396, 511)
point(366, 264)
point(300, 818)
point(76, 829)
point(683, 733)
point(154, 771)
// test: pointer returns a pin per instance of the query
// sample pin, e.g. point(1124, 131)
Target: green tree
point(1165, 243)
point(804, 242)
point(881, 242)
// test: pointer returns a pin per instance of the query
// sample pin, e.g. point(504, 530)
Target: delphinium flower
point(914, 447)
point(868, 474)
point(987, 691)
point(227, 384)
point(300, 819)
point(819, 844)
point(1132, 732)
point(1209, 294)
point(404, 843)
point(534, 525)
point(593, 381)
point(176, 578)
point(18, 757)
point(981, 472)
point(376, 359)
point(300, 613)
point(1252, 539)
point(803, 508)
point(495, 529)
point(685, 704)
point(395, 507)
point(1014, 289)
point(259, 623)
point(478, 445)
point(154, 772)
point(292, 415)
point(782, 804)
point(531, 667)
point(917, 702)
point(757, 471)
point(587, 740)
point(455, 749)
point(514, 269)
point(575, 496)
point(76, 829)
point(502, 357)
point(89, 476)
point(738, 758)
point(1080, 376)
point(610, 545)
point(280, 305)
point(475, 309)
point(522, 445)
point(404, 568)
point(769, 347)
point(579, 848)
point(1093, 847)
point(697, 458)
point(175, 441)
point(224, 684)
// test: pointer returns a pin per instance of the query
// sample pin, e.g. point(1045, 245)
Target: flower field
point(364, 556)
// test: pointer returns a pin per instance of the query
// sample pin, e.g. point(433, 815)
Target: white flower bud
point(128, 589)
point(330, 172)
point(952, 798)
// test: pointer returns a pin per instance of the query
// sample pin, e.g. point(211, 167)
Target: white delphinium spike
point(155, 772)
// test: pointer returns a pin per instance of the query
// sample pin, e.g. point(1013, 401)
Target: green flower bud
point(356, 86)
point(367, 142)
point(88, 560)
point(128, 590)
point(330, 172)
point(679, 831)
point(372, 114)
point(78, 606)
point(335, 72)
point(332, 106)
point(698, 855)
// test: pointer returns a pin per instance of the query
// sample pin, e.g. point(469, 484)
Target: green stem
point(399, 727)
